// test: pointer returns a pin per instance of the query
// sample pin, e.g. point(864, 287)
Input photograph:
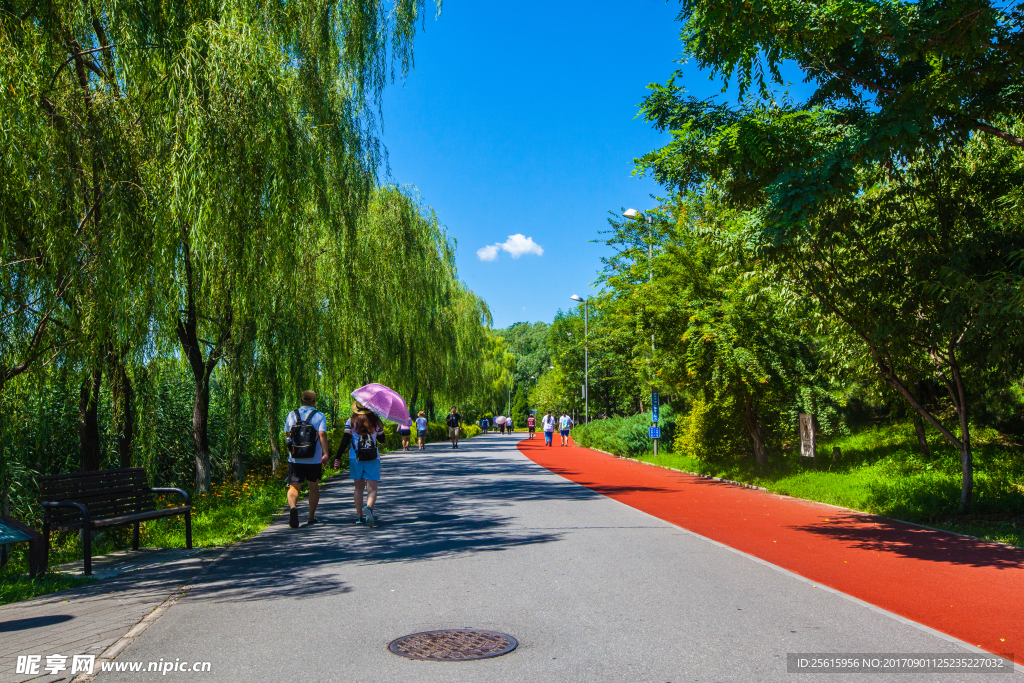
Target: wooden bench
point(101, 499)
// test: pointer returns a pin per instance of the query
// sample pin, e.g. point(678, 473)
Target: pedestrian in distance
point(548, 423)
point(531, 425)
point(454, 421)
point(501, 426)
point(508, 425)
point(306, 428)
point(364, 432)
point(483, 425)
point(421, 430)
point(564, 425)
point(405, 433)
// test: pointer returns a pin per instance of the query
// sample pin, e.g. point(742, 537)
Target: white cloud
point(516, 245)
point(488, 253)
point(519, 244)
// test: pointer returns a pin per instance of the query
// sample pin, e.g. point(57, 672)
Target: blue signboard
point(654, 407)
point(655, 432)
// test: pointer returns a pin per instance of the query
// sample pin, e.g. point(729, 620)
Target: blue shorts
point(364, 469)
point(565, 432)
point(548, 435)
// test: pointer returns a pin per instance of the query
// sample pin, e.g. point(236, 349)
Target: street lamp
point(586, 354)
point(634, 214)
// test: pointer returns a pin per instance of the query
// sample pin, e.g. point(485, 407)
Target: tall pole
point(586, 358)
point(650, 279)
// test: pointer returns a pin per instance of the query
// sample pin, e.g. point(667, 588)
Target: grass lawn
point(883, 472)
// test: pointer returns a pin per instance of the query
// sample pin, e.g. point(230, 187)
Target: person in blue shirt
point(421, 430)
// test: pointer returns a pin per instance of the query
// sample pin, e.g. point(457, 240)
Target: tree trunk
point(121, 389)
point(922, 437)
point(957, 393)
point(753, 422)
point(202, 369)
point(88, 423)
point(235, 430)
point(200, 433)
point(966, 459)
point(275, 453)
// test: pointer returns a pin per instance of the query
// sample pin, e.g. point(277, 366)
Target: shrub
point(627, 436)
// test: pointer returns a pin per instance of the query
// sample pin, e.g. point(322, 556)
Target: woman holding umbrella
point(364, 431)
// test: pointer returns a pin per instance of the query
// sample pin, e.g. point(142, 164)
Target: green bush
point(627, 436)
point(712, 431)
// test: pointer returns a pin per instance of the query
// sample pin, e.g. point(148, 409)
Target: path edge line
point(134, 632)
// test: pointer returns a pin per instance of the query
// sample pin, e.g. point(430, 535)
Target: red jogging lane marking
point(968, 589)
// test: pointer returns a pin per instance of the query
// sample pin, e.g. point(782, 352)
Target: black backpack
point(365, 447)
point(304, 436)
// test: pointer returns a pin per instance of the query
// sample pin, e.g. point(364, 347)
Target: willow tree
point(211, 140)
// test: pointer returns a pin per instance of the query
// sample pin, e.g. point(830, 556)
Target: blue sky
point(520, 120)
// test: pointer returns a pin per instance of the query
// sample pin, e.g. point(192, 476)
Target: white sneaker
point(368, 514)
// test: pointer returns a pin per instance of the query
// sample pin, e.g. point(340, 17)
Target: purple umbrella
point(385, 402)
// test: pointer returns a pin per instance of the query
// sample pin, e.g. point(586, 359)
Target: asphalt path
point(481, 537)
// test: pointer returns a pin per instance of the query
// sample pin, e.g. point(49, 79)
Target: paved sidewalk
point(480, 537)
point(88, 619)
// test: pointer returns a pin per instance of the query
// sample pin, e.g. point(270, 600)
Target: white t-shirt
point(352, 448)
point(319, 421)
point(421, 424)
point(565, 422)
point(549, 423)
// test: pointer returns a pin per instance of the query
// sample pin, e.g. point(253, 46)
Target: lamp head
point(630, 213)
point(576, 297)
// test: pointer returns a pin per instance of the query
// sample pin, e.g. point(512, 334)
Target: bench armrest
point(178, 491)
point(48, 505)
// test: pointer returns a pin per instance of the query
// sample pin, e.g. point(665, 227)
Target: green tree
point(927, 72)
point(914, 254)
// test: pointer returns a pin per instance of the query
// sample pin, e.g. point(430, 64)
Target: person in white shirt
point(307, 468)
point(548, 422)
point(564, 425)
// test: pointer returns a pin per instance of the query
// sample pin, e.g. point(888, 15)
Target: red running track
point(969, 589)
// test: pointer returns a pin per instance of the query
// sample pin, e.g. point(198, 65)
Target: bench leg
point(188, 530)
point(135, 536)
point(44, 550)
point(34, 545)
point(87, 550)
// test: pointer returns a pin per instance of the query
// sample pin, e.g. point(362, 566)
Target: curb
point(134, 632)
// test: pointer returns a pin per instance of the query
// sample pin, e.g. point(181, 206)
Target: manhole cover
point(457, 645)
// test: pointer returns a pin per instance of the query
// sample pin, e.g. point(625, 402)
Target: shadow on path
point(439, 503)
point(880, 534)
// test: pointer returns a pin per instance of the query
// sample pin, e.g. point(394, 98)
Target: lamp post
point(586, 354)
point(634, 214)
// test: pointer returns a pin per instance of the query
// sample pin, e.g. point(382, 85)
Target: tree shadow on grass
point(438, 504)
point(879, 534)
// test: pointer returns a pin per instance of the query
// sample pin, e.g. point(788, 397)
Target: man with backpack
point(454, 421)
point(306, 428)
